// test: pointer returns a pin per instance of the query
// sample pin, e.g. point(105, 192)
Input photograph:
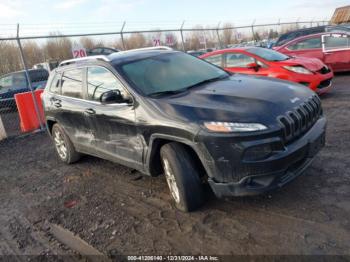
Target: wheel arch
point(153, 161)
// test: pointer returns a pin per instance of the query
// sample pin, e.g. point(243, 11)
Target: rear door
point(68, 106)
point(336, 48)
point(310, 47)
point(113, 125)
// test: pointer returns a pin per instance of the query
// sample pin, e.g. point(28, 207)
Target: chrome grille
point(297, 122)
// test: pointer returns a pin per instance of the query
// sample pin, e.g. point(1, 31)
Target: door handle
point(56, 102)
point(90, 111)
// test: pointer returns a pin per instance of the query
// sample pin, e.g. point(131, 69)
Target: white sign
point(239, 35)
point(78, 51)
point(169, 40)
point(156, 40)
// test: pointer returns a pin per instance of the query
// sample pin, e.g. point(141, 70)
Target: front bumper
point(282, 167)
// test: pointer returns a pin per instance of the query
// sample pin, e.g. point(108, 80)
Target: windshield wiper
point(167, 92)
point(207, 81)
point(172, 92)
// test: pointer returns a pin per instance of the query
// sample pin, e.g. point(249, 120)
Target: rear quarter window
point(311, 43)
point(72, 83)
point(55, 86)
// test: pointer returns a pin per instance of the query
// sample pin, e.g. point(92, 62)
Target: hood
point(238, 98)
point(312, 64)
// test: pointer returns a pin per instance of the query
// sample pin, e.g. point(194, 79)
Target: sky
point(79, 15)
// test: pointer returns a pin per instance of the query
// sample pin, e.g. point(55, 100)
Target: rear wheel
point(182, 176)
point(64, 146)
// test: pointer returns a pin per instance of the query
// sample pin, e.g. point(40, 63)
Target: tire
point(182, 177)
point(64, 146)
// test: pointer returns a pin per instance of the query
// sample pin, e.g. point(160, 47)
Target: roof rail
point(82, 59)
point(150, 48)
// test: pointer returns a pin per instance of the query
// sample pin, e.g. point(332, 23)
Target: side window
point(101, 80)
point(6, 81)
point(72, 83)
point(56, 84)
point(214, 59)
point(38, 76)
point(311, 43)
point(19, 80)
point(238, 60)
point(336, 41)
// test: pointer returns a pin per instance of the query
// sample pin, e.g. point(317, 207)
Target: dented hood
point(238, 98)
point(312, 64)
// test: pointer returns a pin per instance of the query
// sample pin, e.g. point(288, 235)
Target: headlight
point(226, 127)
point(298, 69)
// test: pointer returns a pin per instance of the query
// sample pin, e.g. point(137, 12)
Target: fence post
point(36, 107)
point(3, 134)
point(253, 32)
point(217, 33)
point(182, 37)
point(122, 36)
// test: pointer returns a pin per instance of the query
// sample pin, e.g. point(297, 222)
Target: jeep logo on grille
point(295, 99)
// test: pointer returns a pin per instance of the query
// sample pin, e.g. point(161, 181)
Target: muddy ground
point(119, 211)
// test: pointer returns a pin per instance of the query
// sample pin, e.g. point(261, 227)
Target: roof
point(341, 15)
point(125, 57)
point(120, 57)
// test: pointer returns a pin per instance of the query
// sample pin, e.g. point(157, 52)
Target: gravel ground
point(118, 211)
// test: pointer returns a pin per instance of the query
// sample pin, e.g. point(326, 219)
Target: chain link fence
point(27, 58)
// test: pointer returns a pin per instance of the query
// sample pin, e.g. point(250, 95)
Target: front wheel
point(182, 176)
point(64, 146)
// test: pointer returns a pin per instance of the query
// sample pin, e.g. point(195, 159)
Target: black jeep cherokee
point(162, 111)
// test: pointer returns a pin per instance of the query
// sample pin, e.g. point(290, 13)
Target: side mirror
point(113, 96)
point(254, 66)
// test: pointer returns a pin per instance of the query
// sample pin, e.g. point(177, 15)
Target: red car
point(332, 48)
point(310, 72)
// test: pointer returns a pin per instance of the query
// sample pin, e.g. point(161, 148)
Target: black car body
point(289, 125)
point(101, 51)
point(17, 82)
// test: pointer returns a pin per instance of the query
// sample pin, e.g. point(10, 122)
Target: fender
point(152, 150)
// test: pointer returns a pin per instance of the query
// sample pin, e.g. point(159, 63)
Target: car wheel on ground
point(64, 146)
point(182, 176)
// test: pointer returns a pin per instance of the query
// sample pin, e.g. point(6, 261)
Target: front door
point(113, 125)
point(336, 48)
point(241, 63)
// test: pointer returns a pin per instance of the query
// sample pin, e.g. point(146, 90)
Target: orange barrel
point(28, 117)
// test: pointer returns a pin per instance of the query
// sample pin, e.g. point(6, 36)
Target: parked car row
point(161, 111)
point(310, 72)
point(331, 48)
point(17, 82)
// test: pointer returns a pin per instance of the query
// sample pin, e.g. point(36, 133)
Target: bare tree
point(228, 34)
point(9, 57)
point(136, 40)
point(87, 42)
point(33, 53)
point(58, 48)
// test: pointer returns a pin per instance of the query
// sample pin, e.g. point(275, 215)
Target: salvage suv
point(161, 111)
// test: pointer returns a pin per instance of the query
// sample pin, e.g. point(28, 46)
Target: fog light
point(259, 152)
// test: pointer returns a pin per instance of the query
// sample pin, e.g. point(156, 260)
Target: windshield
point(169, 72)
point(268, 54)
